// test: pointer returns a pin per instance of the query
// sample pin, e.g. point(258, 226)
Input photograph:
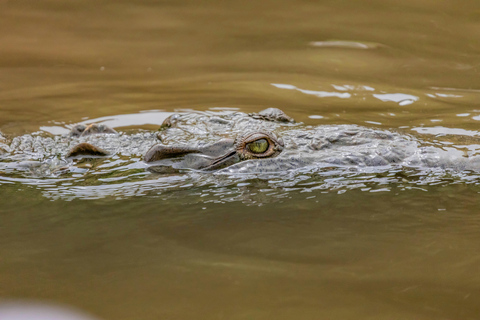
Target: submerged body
point(268, 141)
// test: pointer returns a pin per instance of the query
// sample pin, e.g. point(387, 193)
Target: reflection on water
point(327, 243)
point(439, 131)
point(16, 310)
point(320, 94)
point(115, 121)
point(345, 44)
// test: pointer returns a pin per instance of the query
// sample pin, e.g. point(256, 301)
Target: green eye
point(258, 146)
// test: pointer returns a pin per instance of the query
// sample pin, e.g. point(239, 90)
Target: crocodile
point(235, 142)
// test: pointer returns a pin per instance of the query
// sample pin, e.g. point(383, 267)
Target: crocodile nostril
point(86, 149)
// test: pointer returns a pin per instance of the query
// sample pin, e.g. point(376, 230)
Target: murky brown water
point(404, 252)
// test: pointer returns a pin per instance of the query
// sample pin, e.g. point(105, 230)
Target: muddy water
point(404, 248)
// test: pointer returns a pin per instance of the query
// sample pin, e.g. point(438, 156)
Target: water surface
point(374, 245)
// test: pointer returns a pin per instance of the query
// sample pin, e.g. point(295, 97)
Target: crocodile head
point(168, 158)
point(253, 145)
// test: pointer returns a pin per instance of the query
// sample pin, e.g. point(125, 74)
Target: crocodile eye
point(258, 146)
